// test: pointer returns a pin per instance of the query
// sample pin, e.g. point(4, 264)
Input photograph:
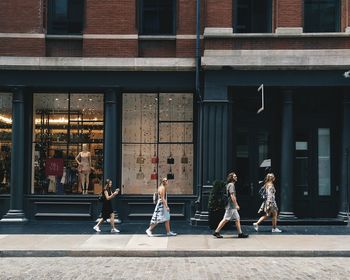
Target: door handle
point(251, 189)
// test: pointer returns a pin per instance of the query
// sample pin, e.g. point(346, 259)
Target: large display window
point(157, 141)
point(5, 141)
point(67, 143)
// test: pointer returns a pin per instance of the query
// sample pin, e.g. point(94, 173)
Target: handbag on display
point(170, 159)
point(170, 175)
point(154, 175)
point(154, 159)
point(140, 175)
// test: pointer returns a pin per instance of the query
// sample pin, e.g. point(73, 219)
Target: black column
point(214, 137)
point(16, 213)
point(345, 158)
point(214, 119)
point(111, 142)
point(287, 157)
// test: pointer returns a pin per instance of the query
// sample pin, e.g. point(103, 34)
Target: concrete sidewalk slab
point(140, 245)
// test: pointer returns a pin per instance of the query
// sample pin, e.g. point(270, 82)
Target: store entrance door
point(315, 192)
point(252, 150)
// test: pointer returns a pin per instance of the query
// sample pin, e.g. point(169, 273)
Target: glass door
point(314, 191)
point(252, 161)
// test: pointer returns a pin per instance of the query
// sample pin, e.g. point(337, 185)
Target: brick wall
point(21, 16)
point(289, 13)
point(22, 47)
point(110, 48)
point(186, 17)
point(110, 17)
point(218, 13)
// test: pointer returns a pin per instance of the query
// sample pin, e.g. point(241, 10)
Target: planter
point(215, 217)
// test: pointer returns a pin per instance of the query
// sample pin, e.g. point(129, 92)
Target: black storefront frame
point(85, 82)
point(216, 85)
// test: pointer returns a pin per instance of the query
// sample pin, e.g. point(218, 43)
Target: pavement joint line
point(175, 253)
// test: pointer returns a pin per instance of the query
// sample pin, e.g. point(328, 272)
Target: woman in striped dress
point(161, 212)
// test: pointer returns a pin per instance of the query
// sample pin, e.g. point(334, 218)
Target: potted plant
point(216, 205)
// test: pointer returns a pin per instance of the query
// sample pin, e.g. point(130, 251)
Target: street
point(174, 268)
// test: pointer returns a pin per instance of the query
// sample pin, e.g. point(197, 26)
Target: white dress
point(160, 214)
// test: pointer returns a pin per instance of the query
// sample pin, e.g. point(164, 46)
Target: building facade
point(139, 90)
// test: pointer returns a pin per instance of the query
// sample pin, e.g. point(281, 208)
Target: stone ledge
point(277, 59)
point(96, 64)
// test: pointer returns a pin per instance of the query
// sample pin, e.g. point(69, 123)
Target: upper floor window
point(253, 16)
point(157, 17)
point(321, 15)
point(65, 16)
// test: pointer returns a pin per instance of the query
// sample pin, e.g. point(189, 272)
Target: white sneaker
point(149, 232)
point(170, 233)
point(96, 228)
point(276, 230)
point(256, 226)
point(114, 230)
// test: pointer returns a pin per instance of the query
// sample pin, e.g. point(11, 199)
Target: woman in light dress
point(269, 206)
point(161, 212)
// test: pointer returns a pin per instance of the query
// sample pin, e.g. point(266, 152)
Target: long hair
point(270, 177)
point(107, 183)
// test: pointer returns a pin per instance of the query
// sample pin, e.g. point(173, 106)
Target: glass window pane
point(253, 16)
point(157, 142)
point(321, 16)
point(324, 162)
point(67, 143)
point(157, 17)
point(65, 17)
point(5, 141)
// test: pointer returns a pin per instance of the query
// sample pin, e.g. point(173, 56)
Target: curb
point(173, 253)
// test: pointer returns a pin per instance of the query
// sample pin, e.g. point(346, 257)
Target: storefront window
point(157, 142)
point(67, 143)
point(5, 141)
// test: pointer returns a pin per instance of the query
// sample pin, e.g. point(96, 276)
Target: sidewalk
point(40, 240)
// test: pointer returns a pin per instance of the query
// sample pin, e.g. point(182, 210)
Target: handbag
point(100, 197)
point(166, 215)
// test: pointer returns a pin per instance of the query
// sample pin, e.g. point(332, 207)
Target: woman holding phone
point(107, 209)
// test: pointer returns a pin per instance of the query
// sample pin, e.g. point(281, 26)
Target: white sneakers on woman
point(276, 230)
point(96, 228)
point(114, 230)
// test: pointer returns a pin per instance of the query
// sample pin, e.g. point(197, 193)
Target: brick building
point(139, 90)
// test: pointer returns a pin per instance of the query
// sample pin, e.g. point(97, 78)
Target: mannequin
point(84, 168)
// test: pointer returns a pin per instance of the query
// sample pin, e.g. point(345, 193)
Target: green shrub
point(215, 198)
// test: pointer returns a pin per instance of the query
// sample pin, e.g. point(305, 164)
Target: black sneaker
point(217, 234)
point(243, 235)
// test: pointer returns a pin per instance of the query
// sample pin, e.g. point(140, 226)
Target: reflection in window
point(252, 16)
point(321, 15)
point(65, 16)
point(302, 167)
point(157, 17)
point(5, 141)
point(324, 162)
point(157, 142)
point(68, 128)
